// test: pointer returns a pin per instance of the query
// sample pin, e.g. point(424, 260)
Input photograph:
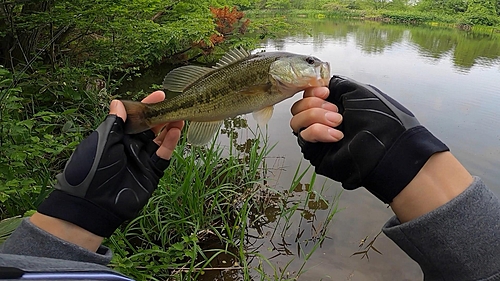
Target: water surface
point(450, 79)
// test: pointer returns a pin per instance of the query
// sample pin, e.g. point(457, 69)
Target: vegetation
point(457, 12)
point(61, 62)
point(196, 224)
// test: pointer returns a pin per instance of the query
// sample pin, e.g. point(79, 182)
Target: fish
point(239, 83)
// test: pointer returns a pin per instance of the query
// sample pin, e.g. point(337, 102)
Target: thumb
point(117, 108)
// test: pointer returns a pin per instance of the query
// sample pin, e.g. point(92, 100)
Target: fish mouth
point(318, 77)
point(315, 82)
point(322, 78)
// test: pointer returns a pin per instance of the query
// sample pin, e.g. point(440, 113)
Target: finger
point(320, 92)
point(177, 124)
point(156, 96)
point(169, 143)
point(321, 133)
point(158, 128)
point(312, 102)
point(116, 107)
point(308, 117)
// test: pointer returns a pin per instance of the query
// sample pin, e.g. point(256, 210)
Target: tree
point(376, 4)
point(18, 44)
point(482, 7)
point(119, 32)
point(481, 12)
point(278, 4)
point(446, 6)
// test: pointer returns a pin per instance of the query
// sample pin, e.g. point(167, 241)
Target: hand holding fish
point(316, 118)
point(111, 175)
point(170, 134)
point(369, 144)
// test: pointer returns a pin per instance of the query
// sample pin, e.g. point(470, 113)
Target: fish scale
point(221, 90)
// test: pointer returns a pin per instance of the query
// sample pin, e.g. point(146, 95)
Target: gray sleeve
point(457, 241)
point(29, 240)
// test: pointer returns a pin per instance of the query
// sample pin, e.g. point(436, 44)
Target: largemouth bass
point(239, 83)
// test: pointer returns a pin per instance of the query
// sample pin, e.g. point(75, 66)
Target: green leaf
point(7, 226)
point(178, 246)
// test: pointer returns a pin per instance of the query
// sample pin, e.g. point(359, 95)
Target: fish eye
point(310, 60)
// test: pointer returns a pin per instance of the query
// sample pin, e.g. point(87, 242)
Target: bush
point(478, 19)
point(405, 17)
point(42, 120)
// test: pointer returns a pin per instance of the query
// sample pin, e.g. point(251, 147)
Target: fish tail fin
point(136, 120)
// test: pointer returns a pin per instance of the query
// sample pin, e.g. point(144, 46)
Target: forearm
point(459, 240)
point(441, 179)
point(67, 231)
point(30, 240)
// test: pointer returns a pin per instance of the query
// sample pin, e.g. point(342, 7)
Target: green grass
point(208, 202)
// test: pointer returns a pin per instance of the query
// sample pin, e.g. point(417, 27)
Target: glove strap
point(402, 163)
point(80, 212)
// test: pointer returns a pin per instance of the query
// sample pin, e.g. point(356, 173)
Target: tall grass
point(199, 221)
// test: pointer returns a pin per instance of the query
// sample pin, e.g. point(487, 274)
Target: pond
point(450, 79)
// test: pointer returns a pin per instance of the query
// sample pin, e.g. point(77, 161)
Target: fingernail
point(112, 104)
point(329, 106)
point(338, 135)
point(333, 117)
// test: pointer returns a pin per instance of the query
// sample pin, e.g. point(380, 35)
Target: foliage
point(7, 226)
point(229, 22)
point(460, 12)
point(68, 57)
point(38, 130)
point(407, 17)
point(449, 6)
point(101, 34)
point(482, 12)
point(65, 60)
point(471, 12)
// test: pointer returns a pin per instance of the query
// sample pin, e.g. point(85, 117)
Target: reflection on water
point(466, 48)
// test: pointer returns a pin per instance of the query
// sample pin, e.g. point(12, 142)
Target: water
point(451, 82)
point(448, 78)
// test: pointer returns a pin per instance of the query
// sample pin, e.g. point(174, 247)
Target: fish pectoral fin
point(180, 78)
point(233, 56)
point(200, 133)
point(262, 116)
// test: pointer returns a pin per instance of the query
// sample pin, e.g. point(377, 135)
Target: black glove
point(107, 180)
point(384, 145)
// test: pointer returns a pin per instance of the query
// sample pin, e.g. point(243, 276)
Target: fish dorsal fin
point(262, 116)
point(180, 78)
point(200, 133)
point(232, 56)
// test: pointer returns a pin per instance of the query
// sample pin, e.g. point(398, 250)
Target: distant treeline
point(466, 12)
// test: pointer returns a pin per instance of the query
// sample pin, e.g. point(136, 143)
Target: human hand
point(111, 175)
point(376, 143)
